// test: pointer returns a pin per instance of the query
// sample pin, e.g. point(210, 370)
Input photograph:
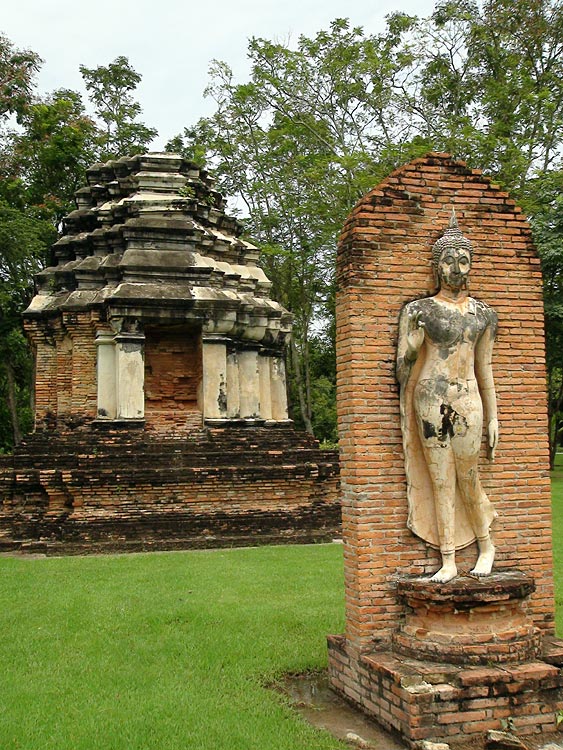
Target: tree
point(17, 73)
point(24, 243)
point(487, 85)
point(24, 239)
point(110, 88)
point(520, 49)
point(546, 203)
point(44, 162)
point(295, 146)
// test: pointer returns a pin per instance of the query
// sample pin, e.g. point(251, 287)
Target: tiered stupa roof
point(150, 238)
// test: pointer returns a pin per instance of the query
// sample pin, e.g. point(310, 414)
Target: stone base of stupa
point(104, 489)
point(465, 660)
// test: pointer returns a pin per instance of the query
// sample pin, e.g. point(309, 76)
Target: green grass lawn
point(164, 651)
point(171, 651)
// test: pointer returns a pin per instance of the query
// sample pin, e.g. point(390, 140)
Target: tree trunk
point(307, 378)
point(555, 406)
point(300, 387)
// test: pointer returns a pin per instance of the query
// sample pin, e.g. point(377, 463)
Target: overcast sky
point(171, 43)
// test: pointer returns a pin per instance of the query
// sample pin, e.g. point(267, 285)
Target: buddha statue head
point(451, 257)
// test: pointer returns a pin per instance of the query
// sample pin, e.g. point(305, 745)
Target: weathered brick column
point(384, 261)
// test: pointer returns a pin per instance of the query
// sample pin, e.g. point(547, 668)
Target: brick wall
point(65, 377)
point(65, 368)
point(105, 489)
point(447, 702)
point(78, 484)
point(173, 373)
point(384, 260)
point(45, 356)
point(63, 383)
point(81, 330)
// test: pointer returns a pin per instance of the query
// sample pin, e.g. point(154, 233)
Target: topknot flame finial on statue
point(452, 239)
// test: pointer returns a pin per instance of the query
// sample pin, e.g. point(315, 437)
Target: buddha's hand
point(415, 336)
point(492, 431)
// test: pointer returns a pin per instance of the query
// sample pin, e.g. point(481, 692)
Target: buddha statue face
point(451, 257)
point(453, 267)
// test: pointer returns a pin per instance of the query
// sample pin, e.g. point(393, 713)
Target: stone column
point(214, 352)
point(249, 384)
point(106, 375)
point(278, 389)
point(233, 385)
point(130, 378)
point(265, 386)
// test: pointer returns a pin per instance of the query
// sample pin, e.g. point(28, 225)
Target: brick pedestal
point(424, 699)
point(105, 489)
point(465, 659)
point(468, 620)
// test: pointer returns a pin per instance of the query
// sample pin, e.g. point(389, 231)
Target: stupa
point(161, 413)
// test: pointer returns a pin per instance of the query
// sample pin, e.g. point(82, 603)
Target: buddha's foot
point(446, 573)
point(485, 562)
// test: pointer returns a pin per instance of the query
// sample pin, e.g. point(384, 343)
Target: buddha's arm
point(411, 338)
point(485, 380)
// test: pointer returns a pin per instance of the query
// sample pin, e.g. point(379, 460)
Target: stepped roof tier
point(150, 239)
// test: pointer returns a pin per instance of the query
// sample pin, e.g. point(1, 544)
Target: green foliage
point(295, 145)
point(323, 388)
point(110, 90)
point(17, 73)
point(323, 401)
point(546, 208)
point(314, 127)
point(16, 413)
point(557, 516)
point(519, 49)
point(190, 145)
point(24, 244)
point(164, 651)
point(24, 240)
point(45, 161)
point(42, 163)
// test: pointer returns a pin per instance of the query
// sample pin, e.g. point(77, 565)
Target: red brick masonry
point(468, 620)
point(441, 701)
point(105, 489)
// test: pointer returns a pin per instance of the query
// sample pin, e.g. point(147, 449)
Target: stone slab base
point(425, 700)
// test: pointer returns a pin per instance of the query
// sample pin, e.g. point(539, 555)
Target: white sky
point(172, 42)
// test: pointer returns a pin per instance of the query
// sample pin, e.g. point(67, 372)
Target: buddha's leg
point(466, 444)
point(441, 468)
point(476, 503)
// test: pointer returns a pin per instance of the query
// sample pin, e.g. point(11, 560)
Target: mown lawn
point(164, 651)
point(171, 651)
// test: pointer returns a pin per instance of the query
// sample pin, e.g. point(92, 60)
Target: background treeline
point(315, 126)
